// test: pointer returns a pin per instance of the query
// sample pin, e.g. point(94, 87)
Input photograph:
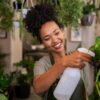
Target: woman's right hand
point(76, 59)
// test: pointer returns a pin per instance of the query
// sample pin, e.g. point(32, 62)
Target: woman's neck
point(58, 56)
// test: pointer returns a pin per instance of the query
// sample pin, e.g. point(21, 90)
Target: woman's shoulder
point(44, 60)
point(43, 64)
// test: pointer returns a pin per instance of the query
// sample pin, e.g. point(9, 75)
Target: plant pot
point(22, 91)
point(10, 93)
point(87, 20)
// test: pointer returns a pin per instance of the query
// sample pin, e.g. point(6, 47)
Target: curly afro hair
point(37, 16)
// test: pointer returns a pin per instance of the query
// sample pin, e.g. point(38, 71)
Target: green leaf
point(98, 39)
point(3, 97)
point(6, 15)
point(69, 11)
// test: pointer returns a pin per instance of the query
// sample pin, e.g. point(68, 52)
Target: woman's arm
point(44, 81)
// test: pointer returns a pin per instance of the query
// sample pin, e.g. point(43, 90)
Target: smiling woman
point(52, 36)
point(42, 21)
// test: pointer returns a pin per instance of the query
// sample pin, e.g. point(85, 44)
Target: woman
point(42, 22)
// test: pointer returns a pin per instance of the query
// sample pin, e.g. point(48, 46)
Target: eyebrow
point(55, 30)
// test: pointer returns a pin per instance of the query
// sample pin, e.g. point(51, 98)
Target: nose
point(54, 39)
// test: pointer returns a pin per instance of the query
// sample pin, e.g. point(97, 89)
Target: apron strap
point(50, 95)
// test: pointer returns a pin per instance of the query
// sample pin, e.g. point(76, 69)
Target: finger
point(69, 53)
point(87, 59)
point(86, 55)
point(79, 60)
point(82, 65)
point(79, 63)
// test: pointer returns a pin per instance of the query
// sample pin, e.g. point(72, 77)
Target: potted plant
point(6, 15)
point(96, 63)
point(69, 11)
point(22, 88)
point(88, 14)
point(5, 82)
point(24, 76)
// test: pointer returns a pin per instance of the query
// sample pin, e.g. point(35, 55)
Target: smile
point(57, 46)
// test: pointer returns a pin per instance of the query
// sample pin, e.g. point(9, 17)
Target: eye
point(57, 33)
point(47, 38)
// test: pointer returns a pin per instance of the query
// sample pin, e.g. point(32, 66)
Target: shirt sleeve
point(41, 66)
point(38, 68)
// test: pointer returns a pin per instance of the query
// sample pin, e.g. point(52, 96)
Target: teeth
point(58, 45)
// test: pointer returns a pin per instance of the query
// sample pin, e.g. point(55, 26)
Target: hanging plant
point(69, 11)
point(6, 15)
point(88, 14)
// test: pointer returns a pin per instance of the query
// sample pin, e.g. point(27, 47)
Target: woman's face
point(52, 37)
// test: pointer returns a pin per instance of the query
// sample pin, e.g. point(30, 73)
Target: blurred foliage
point(5, 81)
point(96, 49)
point(89, 8)
point(96, 63)
point(24, 77)
point(6, 14)
point(69, 11)
point(3, 97)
